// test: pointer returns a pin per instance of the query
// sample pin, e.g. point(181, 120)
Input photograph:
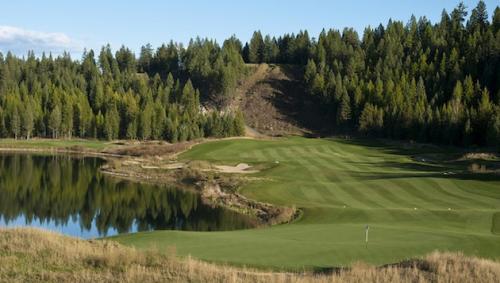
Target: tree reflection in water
point(71, 191)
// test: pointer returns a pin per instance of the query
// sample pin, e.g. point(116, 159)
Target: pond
point(70, 195)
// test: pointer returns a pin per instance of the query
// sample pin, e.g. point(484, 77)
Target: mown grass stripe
point(352, 187)
point(337, 198)
point(455, 188)
point(495, 224)
point(394, 194)
point(451, 191)
point(426, 192)
point(310, 191)
point(376, 198)
point(457, 199)
point(348, 196)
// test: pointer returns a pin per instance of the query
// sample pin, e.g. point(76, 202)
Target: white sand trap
point(241, 168)
point(170, 166)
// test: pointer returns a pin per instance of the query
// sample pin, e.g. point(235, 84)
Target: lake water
point(68, 194)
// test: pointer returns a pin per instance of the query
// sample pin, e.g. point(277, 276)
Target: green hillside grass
point(412, 207)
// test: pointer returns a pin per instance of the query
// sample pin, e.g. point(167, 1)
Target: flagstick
point(366, 235)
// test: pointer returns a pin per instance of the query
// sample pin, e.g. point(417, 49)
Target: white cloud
point(20, 41)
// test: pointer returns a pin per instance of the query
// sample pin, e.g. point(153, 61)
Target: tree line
point(156, 96)
point(420, 81)
point(430, 82)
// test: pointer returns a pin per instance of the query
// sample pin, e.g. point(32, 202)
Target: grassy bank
point(53, 144)
point(28, 255)
point(413, 203)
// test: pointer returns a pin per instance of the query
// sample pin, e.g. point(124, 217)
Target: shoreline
point(144, 169)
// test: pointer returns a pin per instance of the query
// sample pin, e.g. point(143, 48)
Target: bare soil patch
point(273, 102)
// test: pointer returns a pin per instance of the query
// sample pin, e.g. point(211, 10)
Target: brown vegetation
point(30, 255)
point(148, 149)
point(478, 168)
point(267, 214)
point(478, 156)
point(269, 101)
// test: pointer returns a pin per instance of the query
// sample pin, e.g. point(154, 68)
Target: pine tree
point(495, 25)
point(158, 122)
point(15, 123)
point(371, 119)
point(344, 110)
point(456, 106)
point(479, 17)
point(99, 131)
point(3, 126)
point(309, 74)
point(245, 53)
point(189, 100)
point(28, 121)
point(85, 116)
point(145, 58)
point(67, 120)
point(256, 48)
point(271, 50)
point(468, 89)
point(55, 121)
point(239, 124)
point(111, 123)
point(493, 137)
point(145, 121)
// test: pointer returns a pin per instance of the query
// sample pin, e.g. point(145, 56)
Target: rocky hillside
point(273, 102)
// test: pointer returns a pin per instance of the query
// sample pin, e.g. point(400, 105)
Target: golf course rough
point(412, 208)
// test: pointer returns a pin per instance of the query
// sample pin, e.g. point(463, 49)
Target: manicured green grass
point(53, 143)
point(412, 207)
point(495, 225)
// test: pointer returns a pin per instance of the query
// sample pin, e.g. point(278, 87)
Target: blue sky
point(72, 25)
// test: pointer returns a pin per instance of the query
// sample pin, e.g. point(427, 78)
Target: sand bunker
point(241, 168)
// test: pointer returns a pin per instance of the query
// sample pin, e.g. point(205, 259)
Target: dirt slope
point(273, 102)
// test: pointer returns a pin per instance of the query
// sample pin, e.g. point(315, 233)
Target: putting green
point(412, 207)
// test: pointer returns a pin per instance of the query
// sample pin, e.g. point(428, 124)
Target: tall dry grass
point(30, 255)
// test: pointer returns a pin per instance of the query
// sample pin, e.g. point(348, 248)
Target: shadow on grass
point(455, 176)
point(408, 166)
point(446, 165)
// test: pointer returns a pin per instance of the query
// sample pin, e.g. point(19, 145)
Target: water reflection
point(70, 195)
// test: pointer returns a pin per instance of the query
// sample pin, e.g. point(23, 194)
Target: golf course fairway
point(416, 199)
